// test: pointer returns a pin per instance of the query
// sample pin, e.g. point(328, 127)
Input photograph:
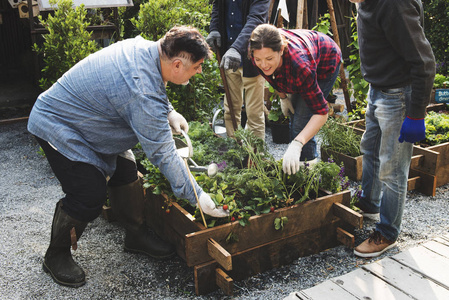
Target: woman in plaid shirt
point(303, 64)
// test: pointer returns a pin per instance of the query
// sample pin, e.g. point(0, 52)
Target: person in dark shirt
point(397, 61)
point(230, 27)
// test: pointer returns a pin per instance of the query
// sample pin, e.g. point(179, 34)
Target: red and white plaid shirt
point(311, 56)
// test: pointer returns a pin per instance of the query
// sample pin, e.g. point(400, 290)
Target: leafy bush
point(437, 128)
point(440, 81)
point(358, 87)
point(67, 42)
point(198, 99)
point(156, 17)
point(436, 20)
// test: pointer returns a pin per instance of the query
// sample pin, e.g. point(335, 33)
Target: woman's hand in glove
point(290, 163)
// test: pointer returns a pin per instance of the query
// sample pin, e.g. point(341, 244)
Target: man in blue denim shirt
point(90, 118)
point(397, 61)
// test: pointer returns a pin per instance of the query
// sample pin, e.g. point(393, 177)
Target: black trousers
point(84, 186)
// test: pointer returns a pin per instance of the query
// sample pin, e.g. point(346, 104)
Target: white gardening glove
point(231, 60)
point(208, 207)
point(214, 37)
point(286, 106)
point(177, 122)
point(290, 163)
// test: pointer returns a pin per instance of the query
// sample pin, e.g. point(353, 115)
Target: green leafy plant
point(275, 115)
point(437, 128)
point(440, 81)
point(66, 43)
point(279, 223)
point(323, 25)
point(340, 138)
point(358, 87)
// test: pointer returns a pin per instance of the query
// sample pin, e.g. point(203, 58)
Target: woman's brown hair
point(266, 36)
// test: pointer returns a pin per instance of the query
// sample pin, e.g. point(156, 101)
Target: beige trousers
point(254, 102)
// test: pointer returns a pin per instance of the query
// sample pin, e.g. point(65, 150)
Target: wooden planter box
point(312, 226)
point(428, 168)
point(353, 165)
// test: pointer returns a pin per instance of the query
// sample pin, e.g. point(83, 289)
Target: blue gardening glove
point(290, 162)
point(214, 37)
point(231, 60)
point(412, 130)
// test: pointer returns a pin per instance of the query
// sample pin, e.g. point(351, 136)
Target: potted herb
point(279, 124)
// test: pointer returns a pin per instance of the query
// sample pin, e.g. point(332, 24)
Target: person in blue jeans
point(87, 122)
point(398, 62)
point(304, 64)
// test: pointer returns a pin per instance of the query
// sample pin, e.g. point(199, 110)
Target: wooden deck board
point(417, 273)
point(406, 280)
point(426, 262)
point(326, 290)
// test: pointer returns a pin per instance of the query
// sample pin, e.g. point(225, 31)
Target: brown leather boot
point(58, 260)
point(128, 204)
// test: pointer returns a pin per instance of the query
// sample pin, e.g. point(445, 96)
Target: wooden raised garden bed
point(424, 175)
point(312, 226)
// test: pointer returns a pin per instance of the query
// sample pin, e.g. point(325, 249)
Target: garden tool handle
point(226, 88)
point(196, 195)
point(189, 142)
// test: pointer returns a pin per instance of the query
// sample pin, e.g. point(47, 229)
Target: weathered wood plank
point(443, 240)
point(345, 238)
point(413, 183)
point(430, 162)
point(406, 280)
point(439, 248)
point(268, 256)
point(353, 165)
point(205, 278)
point(224, 282)
point(364, 285)
point(427, 182)
point(328, 290)
point(427, 263)
point(217, 252)
point(348, 215)
point(303, 217)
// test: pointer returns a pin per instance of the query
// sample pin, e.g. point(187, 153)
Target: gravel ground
point(29, 192)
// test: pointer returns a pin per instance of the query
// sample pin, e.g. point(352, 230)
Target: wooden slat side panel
point(224, 282)
point(267, 256)
point(427, 182)
point(205, 278)
point(353, 165)
point(301, 218)
point(348, 215)
point(431, 159)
